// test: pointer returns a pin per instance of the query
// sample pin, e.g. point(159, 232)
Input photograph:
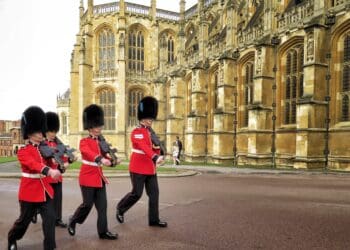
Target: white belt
point(90, 163)
point(138, 151)
point(33, 176)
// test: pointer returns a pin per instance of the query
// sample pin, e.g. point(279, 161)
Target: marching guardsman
point(35, 192)
point(91, 179)
point(53, 126)
point(144, 159)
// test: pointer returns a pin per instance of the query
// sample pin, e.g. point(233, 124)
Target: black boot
point(60, 223)
point(71, 227)
point(108, 236)
point(158, 224)
point(119, 216)
point(12, 245)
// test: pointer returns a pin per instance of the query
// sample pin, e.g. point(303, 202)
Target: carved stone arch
point(295, 40)
point(103, 26)
point(167, 31)
point(138, 26)
point(143, 88)
point(105, 86)
point(247, 56)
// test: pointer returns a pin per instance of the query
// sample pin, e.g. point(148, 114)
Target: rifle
point(157, 143)
point(66, 150)
point(57, 153)
point(48, 152)
point(107, 149)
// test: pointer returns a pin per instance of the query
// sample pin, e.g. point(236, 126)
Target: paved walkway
point(206, 212)
point(11, 169)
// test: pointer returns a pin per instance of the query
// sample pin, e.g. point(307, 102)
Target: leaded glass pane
point(345, 108)
point(346, 78)
point(347, 49)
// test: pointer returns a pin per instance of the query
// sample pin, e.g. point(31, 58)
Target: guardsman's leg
point(84, 209)
point(58, 204)
point(131, 198)
point(48, 217)
point(152, 191)
point(28, 209)
point(101, 207)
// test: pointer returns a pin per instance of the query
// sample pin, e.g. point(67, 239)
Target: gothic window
point(248, 90)
point(136, 53)
point(64, 123)
point(106, 50)
point(107, 102)
point(135, 97)
point(294, 89)
point(170, 50)
point(216, 90)
point(190, 35)
point(189, 96)
point(345, 87)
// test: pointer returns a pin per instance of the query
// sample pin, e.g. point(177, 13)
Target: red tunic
point(142, 152)
point(32, 189)
point(91, 175)
point(52, 164)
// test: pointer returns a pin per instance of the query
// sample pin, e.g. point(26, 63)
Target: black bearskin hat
point(33, 120)
point(93, 116)
point(147, 108)
point(52, 121)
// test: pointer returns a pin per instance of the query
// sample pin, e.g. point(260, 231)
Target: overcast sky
point(37, 37)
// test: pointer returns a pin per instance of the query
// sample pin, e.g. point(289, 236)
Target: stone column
point(153, 11)
point(231, 27)
point(311, 109)
point(196, 147)
point(203, 31)
point(222, 134)
point(181, 36)
point(175, 107)
point(121, 94)
point(260, 112)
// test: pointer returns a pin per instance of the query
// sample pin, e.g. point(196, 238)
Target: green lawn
point(124, 166)
point(204, 164)
point(7, 159)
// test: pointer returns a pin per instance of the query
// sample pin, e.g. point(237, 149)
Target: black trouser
point(178, 156)
point(28, 209)
point(91, 196)
point(57, 199)
point(152, 190)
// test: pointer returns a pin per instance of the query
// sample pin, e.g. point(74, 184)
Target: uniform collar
point(33, 144)
point(143, 126)
point(93, 137)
